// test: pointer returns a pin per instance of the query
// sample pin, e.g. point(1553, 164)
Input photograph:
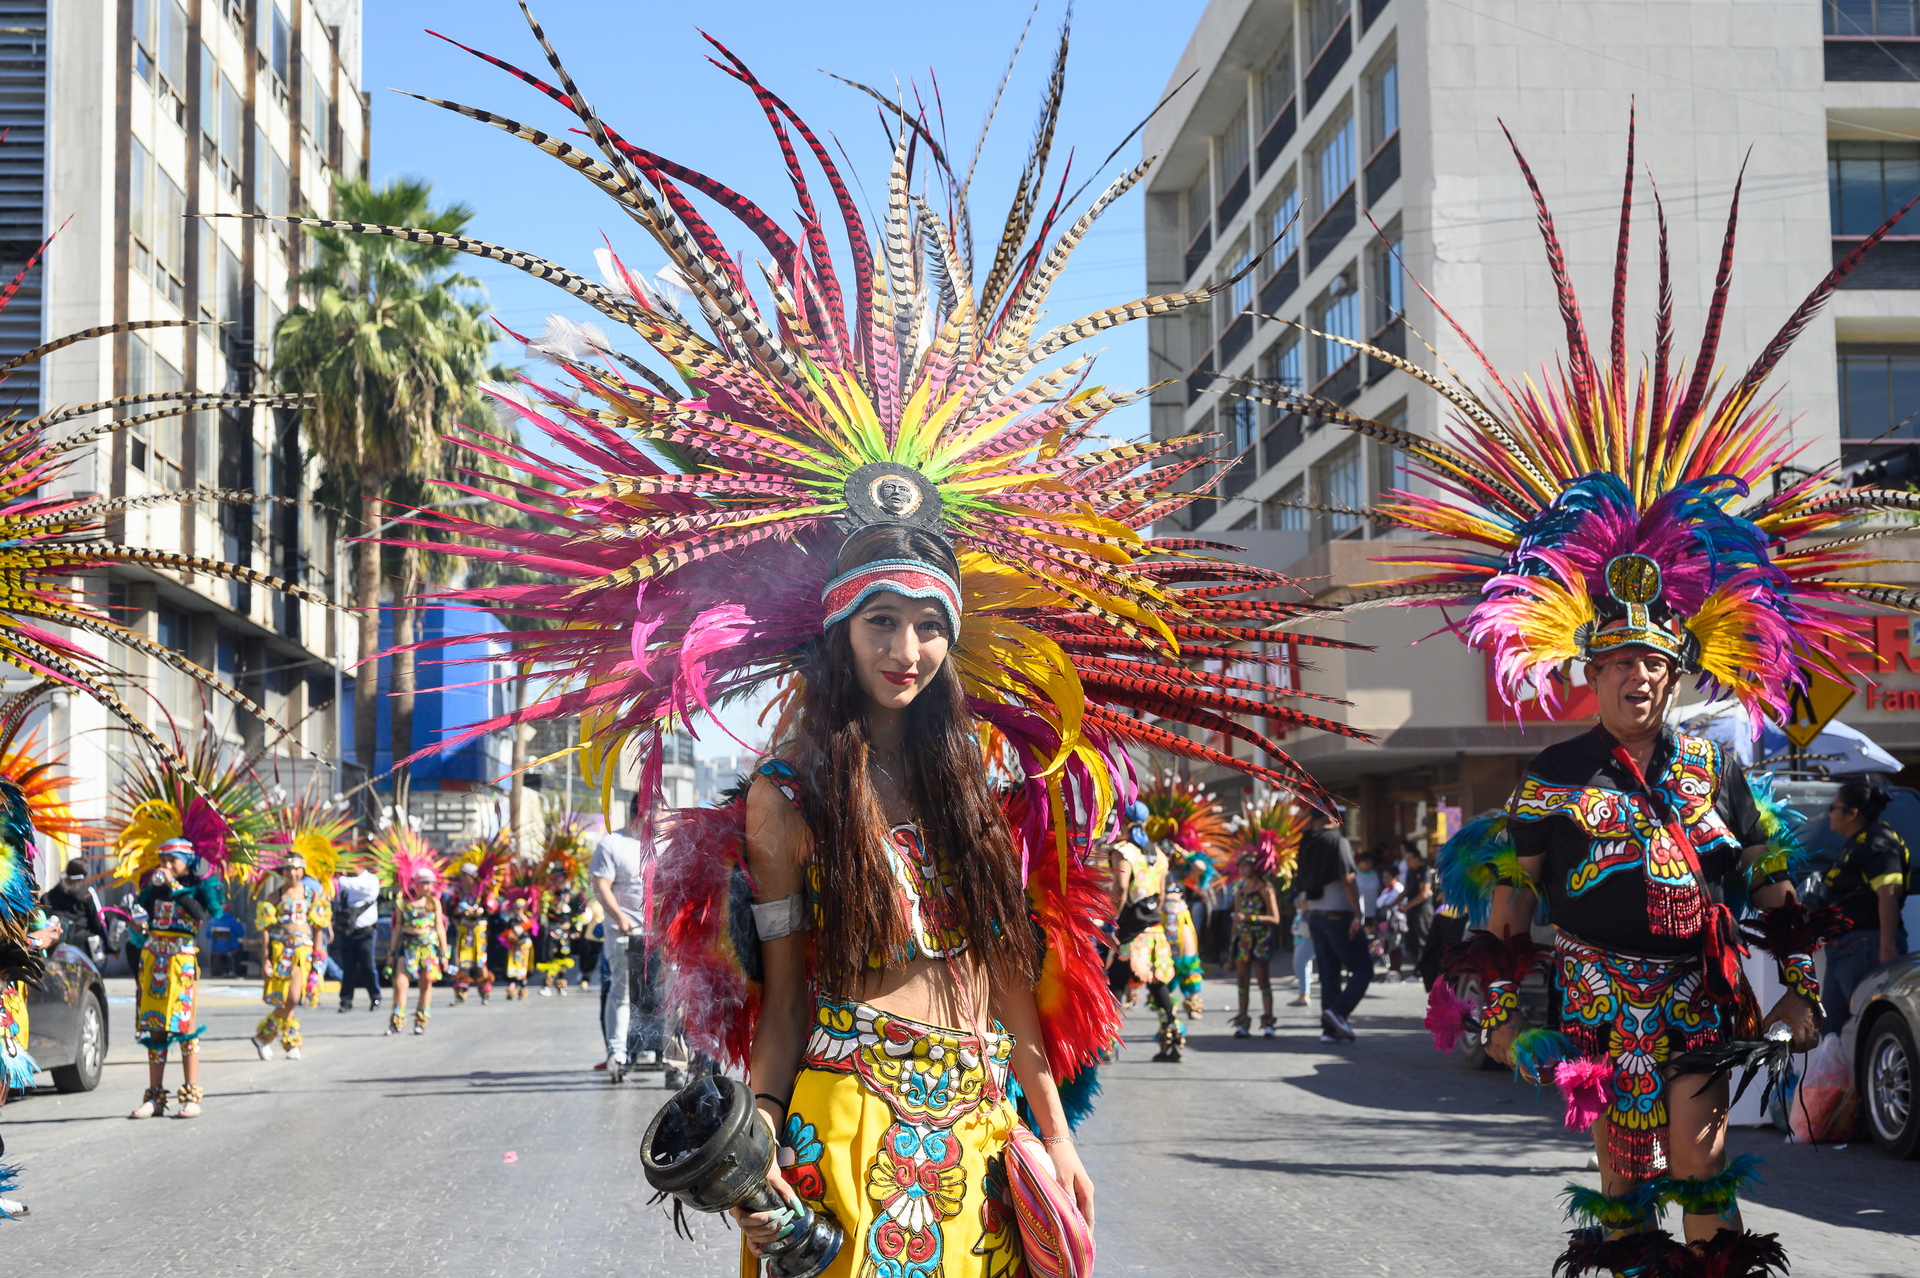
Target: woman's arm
point(1017, 1012)
point(1270, 911)
point(778, 843)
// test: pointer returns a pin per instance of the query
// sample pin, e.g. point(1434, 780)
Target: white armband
point(784, 917)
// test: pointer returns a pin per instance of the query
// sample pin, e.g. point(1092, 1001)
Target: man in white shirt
point(620, 870)
point(356, 916)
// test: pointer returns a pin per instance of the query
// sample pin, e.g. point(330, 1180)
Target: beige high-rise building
point(132, 121)
point(1387, 114)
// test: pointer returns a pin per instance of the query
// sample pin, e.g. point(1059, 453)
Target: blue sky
point(644, 68)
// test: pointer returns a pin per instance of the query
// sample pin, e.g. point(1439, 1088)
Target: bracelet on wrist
point(768, 1096)
point(1051, 1141)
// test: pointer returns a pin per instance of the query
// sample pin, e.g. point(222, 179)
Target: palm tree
point(393, 348)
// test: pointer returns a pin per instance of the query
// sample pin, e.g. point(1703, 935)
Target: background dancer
point(411, 871)
point(287, 915)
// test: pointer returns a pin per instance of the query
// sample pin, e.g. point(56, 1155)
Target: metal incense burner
point(708, 1149)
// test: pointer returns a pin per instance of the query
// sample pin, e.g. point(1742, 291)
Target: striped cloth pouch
point(1055, 1236)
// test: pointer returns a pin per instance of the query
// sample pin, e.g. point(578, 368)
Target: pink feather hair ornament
point(1448, 1016)
point(1585, 1084)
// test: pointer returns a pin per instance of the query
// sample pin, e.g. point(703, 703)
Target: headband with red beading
point(909, 577)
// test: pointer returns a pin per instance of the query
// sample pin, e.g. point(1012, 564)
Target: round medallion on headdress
point(1633, 579)
point(891, 493)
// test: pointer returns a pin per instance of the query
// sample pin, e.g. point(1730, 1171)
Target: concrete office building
point(1363, 113)
point(130, 120)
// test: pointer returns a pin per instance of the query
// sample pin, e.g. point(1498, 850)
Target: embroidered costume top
point(471, 903)
point(417, 915)
point(1871, 859)
point(295, 920)
point(922, 877)
point(1615, 876)
point(177, 909)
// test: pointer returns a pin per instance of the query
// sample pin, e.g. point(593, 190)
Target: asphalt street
point(489, 1147)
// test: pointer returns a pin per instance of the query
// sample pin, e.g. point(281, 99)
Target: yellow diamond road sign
point(1815, 706)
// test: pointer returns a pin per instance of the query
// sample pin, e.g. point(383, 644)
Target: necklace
point(898, 789)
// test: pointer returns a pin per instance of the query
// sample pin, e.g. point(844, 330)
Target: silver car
point(1880, 1040)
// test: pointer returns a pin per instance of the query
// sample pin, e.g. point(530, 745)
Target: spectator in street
point(619, 871)
point(1366, 880)
point(1390, 925)
point(1326, 878)
point(356, 920)
point(1869, 884)
point(1416, 907)
point(72, 898)
point(1302, 959)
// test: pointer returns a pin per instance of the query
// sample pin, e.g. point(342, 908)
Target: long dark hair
point(946, 780)
point(1864, 797)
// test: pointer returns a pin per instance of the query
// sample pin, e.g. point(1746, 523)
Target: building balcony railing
point(1327, 63)
point(1234, 340)
point(1342, 385)
point(1369, 11)
point(1325, 235)
point(1392, 338)
point(1278, 134)
point(1383, 168)
point(1873, 57)
point(1197, 251)
point(1200, 380)
point(1280, 285)
point(1281, 438)
point(1235, 197)
point(1893, 263)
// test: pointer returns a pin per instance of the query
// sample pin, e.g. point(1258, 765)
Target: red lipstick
point(898, 679)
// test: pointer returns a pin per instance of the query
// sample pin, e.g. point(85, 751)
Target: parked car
point(1880, 1040)
point(67, 1018)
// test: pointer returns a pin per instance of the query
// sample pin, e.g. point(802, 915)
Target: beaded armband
point(1500, 1005)
point(1796, 973)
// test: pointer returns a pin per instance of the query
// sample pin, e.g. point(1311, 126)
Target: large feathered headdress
point(1270, 835)
point(215, 802)
point(25, 761)
point(1186, 812)
point(566, 846)
point(686, 526)
point(319, 833)
point(1603, 509)
point(407, 864)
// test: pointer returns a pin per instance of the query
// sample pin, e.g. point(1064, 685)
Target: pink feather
point(1447, 1015)
point(208, 830)
point(1585, 1084)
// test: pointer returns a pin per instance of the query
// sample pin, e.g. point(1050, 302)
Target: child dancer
point(1256, 918)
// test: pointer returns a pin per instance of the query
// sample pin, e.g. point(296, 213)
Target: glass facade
point(1868, 182)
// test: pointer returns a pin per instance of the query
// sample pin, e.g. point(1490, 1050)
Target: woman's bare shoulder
point(775, 827)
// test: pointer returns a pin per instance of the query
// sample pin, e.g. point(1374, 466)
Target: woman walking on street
point(1869, 884)
point(411, 871)
point(287, 917)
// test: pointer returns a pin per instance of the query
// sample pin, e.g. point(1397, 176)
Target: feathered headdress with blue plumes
point(1599, 509)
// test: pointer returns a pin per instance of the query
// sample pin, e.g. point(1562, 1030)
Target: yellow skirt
point(17, 1068)
point(900, 1129)
point(289, 965)
point(169, 980)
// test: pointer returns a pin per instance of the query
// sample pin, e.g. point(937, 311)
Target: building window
point(160, 54)
point(1331, 163)
point(1199, 206)
point(1241, 294)
point(1323, 18)
point(154, 447)
point(1383, 104)
point(1336, 314)
point(1276, 85)
point(1233, 149)
point(1284, 511)
point(157, 217)
point(1392, 462)
point(1280, 223)
point(1389, 281)
point(317, 107)
point(1879, 393)
point(276, 46)
point(1340, 486)
point(1238, 424)
point(1868, 182)
point(1871, 17)
point(1282, 364)
point(223, 122)
point(272, 183)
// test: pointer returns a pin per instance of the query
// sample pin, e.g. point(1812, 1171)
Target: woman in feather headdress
point(1264, 845)
point(412, 872)
point(186, 825)
point(473, 899)
point(1642, 524)
point(295, 872)
point(1186, 821)
point(563, 863)
point(703, 537)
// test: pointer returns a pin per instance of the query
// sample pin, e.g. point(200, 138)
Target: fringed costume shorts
point(1252, 942)
point(420, 957)
point(1151, 957)
point(470, 946)
point(517, 959)
point(899, 1128)
point(1638, 1012)
point(169, 980)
